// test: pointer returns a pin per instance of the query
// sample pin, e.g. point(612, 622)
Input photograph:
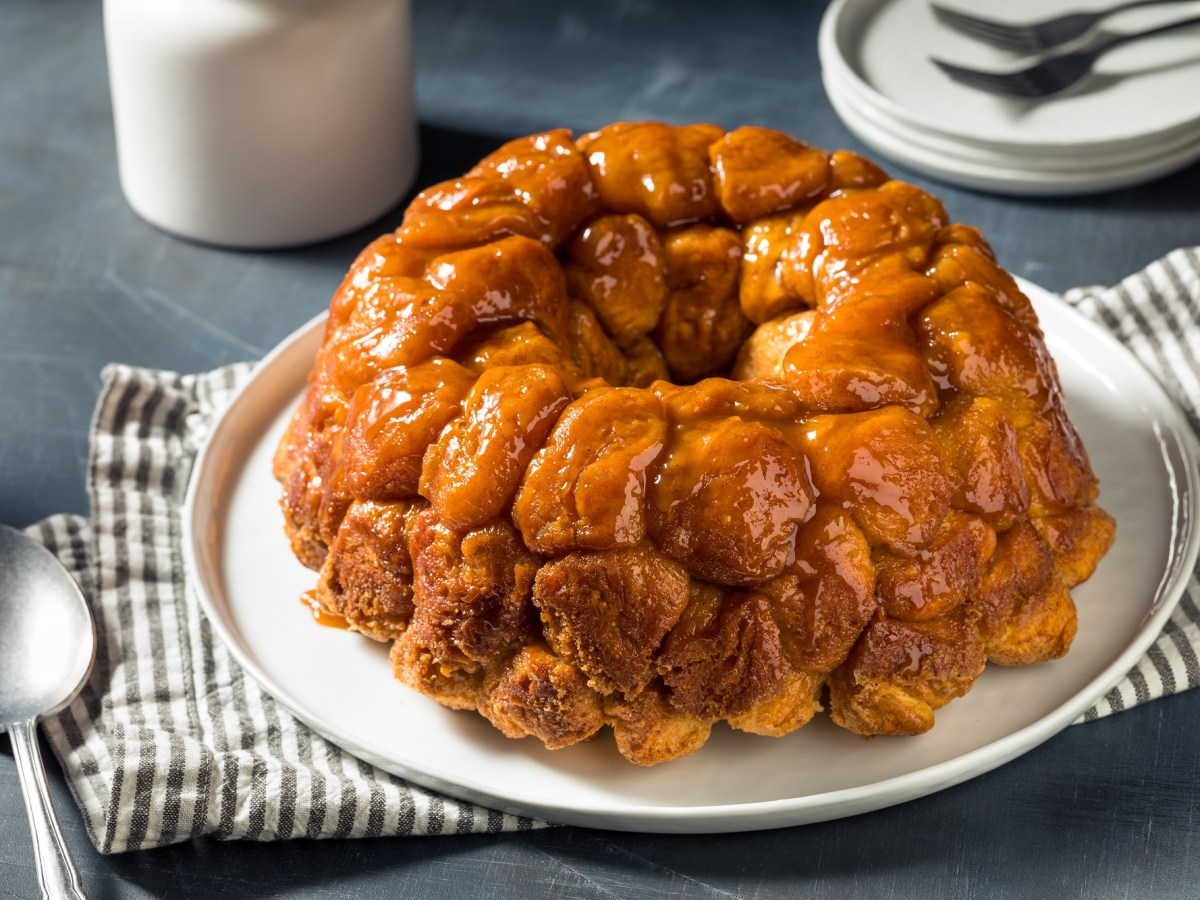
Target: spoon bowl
point(47, 646)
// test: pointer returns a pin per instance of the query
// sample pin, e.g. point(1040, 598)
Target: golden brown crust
point(648, 729)
point(1077, 539)
point(607, 612)
point(1026, 614)
point(669, 425)
point(900, 672)
point(796, 700)
point(724, 656)
point(835, 367)
point(535, 693)
point(367, 577)
point(517, 345)
point(471, 592)
point(417, 666)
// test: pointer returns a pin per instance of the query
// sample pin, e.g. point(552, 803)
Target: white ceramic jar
point(262, 123)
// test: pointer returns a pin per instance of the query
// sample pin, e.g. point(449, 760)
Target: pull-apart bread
point(664, 426)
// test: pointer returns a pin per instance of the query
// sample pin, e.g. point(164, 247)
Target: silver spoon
point(47, 644)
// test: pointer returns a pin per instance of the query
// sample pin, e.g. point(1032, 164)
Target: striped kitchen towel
point(170, 740)
point(1156, 314)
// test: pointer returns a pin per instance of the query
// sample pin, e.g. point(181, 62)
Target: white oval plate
point(341, 685)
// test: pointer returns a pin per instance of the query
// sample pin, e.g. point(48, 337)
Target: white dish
point(1011, 178)
point(1144, 92)
point(1185, 144)
point(341, 685)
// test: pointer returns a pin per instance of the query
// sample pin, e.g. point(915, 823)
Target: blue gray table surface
point(1107, 809)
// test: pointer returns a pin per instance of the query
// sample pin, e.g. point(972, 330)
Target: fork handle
point(57, 875)
point(1117, 39)
point(1138, 4)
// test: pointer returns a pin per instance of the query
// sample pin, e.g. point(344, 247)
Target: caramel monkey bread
point(664, 426)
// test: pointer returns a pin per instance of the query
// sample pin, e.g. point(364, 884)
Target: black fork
point(1032, 37)
point(1053, 74)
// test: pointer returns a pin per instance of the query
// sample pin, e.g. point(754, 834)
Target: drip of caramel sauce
point(320, 616)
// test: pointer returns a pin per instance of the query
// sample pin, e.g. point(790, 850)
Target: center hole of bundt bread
point(648, 304)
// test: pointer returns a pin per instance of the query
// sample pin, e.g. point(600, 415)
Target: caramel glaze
point(320, 614)
point(523, 458)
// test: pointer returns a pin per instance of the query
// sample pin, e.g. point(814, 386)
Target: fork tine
point(1014, 85)
point(985, 82)
point(1020, 37)
point(1026, 44)
point(965, 20)
point(1016, 39)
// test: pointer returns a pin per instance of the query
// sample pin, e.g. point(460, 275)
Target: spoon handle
point(56, 872)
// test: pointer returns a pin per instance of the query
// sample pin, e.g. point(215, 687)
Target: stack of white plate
point(1137, 117)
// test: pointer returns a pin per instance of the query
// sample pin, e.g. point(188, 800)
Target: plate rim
point(1029, 181)
point(1032, 160)
point(754, 815)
